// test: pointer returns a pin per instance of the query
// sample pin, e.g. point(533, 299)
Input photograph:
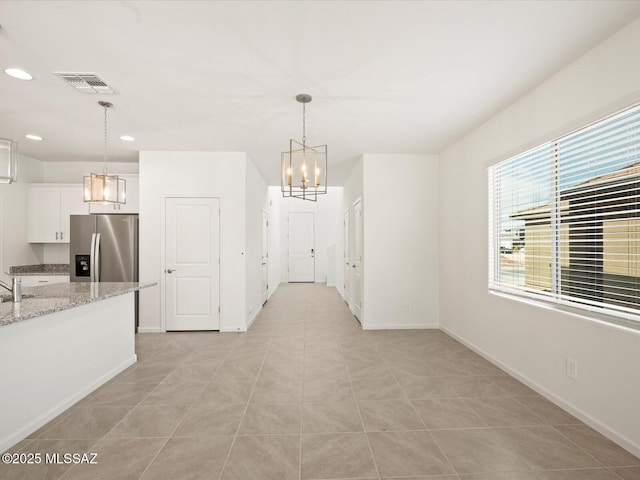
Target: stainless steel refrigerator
point(104, 248)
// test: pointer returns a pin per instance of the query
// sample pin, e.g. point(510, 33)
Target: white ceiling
point(386, 77)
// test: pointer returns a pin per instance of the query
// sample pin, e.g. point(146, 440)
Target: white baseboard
point(253, 317)
point(401, 326)
point(150, 330)
point(52, 413)
point(611, 434)
point(233, 330)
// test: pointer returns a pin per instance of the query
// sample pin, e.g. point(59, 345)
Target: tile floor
point(307, 394)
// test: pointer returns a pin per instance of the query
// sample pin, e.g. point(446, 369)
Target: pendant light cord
point(105, 140)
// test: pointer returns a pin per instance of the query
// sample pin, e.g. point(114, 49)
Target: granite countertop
point(41, 269)
point(42, 300)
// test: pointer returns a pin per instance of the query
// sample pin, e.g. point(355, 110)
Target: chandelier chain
point(304, 124)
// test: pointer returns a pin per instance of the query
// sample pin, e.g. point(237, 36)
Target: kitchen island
point(60, 343)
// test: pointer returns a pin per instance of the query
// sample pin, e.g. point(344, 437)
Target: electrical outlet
point(408, 307)
point(572, 369)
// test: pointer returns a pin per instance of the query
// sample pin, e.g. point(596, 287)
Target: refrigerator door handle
point(96, 262)
point(92, 258)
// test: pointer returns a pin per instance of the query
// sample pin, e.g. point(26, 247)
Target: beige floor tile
point(336, 455)
point(232, 372)
point(122, 394)
point(547, 411)
point(261, 418)
point(190, 459)
point(407, 453)
point(380, 388)
point(543, 448)
point(264, 457)
point(331, 417)
point(503, 412)
point(210, 420)
point(225, 392)
point(511, 385)
point(502, 476)
point(142, 373)
point(447, 413)
point(124, 459)
point(367, 368)
point(174, 394)
point(87, 422)
point(480, 450)
point(591, 474)
point(327, 390)
point(386, 415)
point(607, 452)
point(474, 387)
point(149, 421)
point(628, 473)
point(277, 391)
point(410, 368)
point(425, 387)
point(281, 372)
point(201, 372)
point(325, 371)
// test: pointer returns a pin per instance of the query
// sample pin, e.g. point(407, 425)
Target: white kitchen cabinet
point(132, 197)
point(49, 208)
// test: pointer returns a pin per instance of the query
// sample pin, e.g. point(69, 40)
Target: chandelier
point(304, 168)
point(102, 187)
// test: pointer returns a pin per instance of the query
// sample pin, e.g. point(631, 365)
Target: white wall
point(215, 174)
point(327, 218)
point(400, 220)
point(14, 198)
point(531, 341)
point(257, 200)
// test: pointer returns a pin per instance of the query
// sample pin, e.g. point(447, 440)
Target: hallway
point(307, 394)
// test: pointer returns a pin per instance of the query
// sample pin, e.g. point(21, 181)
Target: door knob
point(353, 266)
point(169, 270)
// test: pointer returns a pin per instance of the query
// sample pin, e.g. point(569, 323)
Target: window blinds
point(565, 219)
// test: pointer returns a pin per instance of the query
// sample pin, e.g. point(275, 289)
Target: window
point(564, 219)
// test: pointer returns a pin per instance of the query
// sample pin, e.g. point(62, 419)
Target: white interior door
point(265, 257)
point(356, 261)
point(192, 264)
point(346, 260)
point(301, 247)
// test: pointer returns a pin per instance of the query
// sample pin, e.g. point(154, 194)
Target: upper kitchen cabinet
point(49, 208)
point(132, 198)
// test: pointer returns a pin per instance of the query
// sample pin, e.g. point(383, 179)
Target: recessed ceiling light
point(31, 136)
point(18, 73)
point(127, 138)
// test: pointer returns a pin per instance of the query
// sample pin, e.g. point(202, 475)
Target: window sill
point(626, 324)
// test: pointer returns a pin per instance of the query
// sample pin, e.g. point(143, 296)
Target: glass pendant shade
point(104, 188)
point(8, 161)
point(304, 171)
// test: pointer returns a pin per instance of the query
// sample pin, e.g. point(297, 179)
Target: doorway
point(356, 261)
point(192, 263)
point(346, 260)
point(301, 240)
point(265, 257)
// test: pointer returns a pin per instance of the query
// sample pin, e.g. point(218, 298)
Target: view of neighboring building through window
point(564, 220)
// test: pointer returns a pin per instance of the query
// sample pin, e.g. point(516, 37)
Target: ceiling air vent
point(85, 82)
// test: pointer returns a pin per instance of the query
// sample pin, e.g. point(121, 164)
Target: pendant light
point(304, 168)
point(8, 161)
point(101, 187)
